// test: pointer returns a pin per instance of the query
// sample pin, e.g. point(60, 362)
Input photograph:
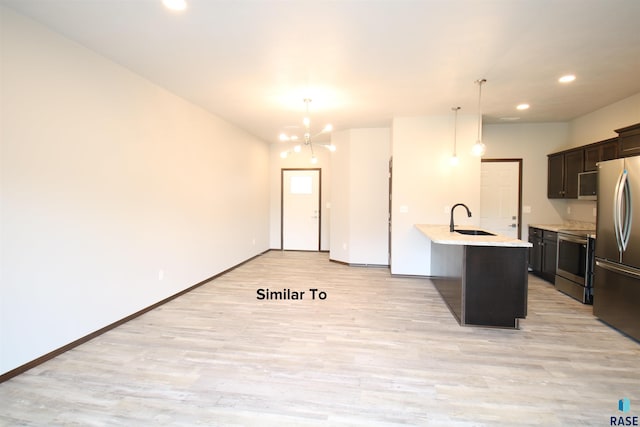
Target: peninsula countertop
point(440, 234)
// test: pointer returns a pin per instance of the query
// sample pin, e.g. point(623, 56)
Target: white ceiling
point(363, 62)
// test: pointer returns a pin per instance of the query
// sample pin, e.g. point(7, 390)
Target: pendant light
point(454, 158)
point(479, 148)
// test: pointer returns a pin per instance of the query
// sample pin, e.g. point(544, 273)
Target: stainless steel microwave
point(588, 185)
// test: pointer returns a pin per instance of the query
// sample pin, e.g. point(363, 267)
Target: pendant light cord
point(455, 130)
point(480, 82)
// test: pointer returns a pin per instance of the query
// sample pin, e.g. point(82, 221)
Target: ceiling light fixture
point(523, 107)
point(176, 5)
point(307, 137)
point(567, 79)
point(479, 148)
point(454, 158)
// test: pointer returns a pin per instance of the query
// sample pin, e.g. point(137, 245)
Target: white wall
point(425, 185)
point(531, 143)
point(601, 124)
point(360, 192)
point(341, 197)
point(107, 180)
point(293, 161)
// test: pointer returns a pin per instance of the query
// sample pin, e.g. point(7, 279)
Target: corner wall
point(425, 185)
point(360, 190)
point(115, 194)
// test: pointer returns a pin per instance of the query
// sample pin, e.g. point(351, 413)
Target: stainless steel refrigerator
point(616, 289)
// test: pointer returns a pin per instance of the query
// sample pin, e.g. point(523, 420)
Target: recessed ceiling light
point(509, 119)
point(567, 79)
point(176, 5)
point(523, 107)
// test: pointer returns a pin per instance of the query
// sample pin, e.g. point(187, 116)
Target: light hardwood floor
point(379, 351)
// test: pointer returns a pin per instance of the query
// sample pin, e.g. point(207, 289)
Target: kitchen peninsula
point(481, 276)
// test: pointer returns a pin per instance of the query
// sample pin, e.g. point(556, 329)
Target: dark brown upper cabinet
point(564, 166)
point(598, 152)
point(555, 176)
point(629, 141)
point(562, 177)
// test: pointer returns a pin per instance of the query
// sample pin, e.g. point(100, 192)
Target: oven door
point(572, 258)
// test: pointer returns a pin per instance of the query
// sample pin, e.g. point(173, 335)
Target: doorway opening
point(501, 196)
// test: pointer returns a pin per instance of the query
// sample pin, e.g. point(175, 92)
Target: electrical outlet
point(568, 209)
point(595, 211)
point(160, 274)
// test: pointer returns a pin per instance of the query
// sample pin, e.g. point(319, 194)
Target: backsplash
point(579, 210)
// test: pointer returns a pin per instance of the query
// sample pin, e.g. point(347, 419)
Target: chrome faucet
point(451, 226)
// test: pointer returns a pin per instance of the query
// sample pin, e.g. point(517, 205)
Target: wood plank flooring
point(378, 351)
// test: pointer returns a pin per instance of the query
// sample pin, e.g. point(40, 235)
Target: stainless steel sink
point(475, 232)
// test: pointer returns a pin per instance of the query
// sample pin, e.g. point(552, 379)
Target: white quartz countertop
point(441, 234)
point(566, 226)
point(578, 226)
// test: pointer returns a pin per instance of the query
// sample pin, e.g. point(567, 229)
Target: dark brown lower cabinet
point(549, 255)
point(543, 255)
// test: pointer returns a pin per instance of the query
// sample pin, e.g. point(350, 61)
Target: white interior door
point(301, 209)
point(500, 197)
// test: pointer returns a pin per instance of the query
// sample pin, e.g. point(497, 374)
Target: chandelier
point(307, 138)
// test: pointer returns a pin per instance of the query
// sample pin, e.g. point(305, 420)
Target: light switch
point(526, 209)
point(404, 209)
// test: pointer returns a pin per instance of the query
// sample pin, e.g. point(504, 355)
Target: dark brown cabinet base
point(542, 257)
point(482, 285)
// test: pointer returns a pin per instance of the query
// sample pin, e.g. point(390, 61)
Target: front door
point(500, 193)
point(300, 221)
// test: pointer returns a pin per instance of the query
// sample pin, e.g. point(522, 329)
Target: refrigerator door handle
point(625, 225)
point(619, 268)
point(617, 211)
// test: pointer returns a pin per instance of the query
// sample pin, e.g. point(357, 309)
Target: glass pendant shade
point(479, 149)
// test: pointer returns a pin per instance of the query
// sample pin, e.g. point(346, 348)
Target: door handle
point(621, 269)
point(617, 211)
point(622, 212)
point(625, 227)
